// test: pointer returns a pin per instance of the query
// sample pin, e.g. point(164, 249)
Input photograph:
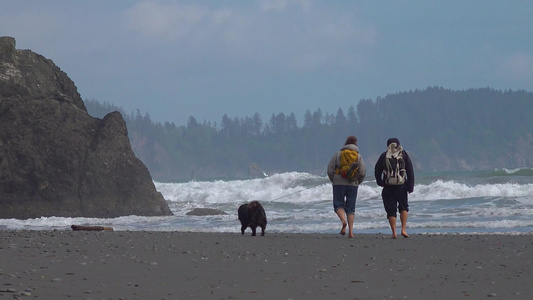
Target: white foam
point(452, 190)
point(301, 202)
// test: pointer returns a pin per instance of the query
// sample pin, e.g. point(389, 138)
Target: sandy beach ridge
point(63, 264)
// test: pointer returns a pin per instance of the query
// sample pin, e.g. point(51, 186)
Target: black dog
point(252, 215)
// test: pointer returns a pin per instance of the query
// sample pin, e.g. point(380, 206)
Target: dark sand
point(175, 265)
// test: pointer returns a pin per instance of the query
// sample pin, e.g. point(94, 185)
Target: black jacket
point(410, 180)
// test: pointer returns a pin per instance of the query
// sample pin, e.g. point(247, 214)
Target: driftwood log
point(90, 228)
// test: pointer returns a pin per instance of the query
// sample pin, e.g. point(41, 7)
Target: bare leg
point(392, 223)
point(403, 219)
point(351, 218)
point(342, 216)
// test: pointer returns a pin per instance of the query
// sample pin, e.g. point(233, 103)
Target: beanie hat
point(393, 140)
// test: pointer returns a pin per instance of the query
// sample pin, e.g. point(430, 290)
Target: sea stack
point(55, 159)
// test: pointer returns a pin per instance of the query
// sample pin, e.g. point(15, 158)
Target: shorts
point(395, 196)
point(344, 196)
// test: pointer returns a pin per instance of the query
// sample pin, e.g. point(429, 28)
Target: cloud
point(281, 5)
point(265, 35)
point(31, 24)
point(518, 66)
point(155, 19)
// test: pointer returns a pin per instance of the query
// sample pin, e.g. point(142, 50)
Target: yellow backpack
point(349, 167)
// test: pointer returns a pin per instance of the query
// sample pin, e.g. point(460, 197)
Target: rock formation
point(254, 171)
point(55, 159)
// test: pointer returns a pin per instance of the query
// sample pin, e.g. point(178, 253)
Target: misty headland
point(443, 130)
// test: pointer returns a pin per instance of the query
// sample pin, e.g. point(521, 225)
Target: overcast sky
point(175, 59)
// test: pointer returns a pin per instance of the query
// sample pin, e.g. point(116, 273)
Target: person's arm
point(410, 173)
point(361, 171)
point(378, 170)
point(331, 167)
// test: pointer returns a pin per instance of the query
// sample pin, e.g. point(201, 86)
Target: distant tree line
point(443, 130)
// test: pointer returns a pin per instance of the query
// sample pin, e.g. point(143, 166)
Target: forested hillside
point(443, 130)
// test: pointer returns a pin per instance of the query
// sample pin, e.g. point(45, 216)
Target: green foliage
point(463, 127)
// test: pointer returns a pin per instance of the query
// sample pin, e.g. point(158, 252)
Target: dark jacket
point(410, 180)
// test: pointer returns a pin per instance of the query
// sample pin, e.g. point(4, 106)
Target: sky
point(176, 59)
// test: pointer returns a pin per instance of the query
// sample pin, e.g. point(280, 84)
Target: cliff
point(55, 159)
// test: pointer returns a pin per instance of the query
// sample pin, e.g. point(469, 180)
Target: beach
point(63, 264)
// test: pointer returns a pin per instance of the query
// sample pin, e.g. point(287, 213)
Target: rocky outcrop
point(254, 171)
point(55, 159)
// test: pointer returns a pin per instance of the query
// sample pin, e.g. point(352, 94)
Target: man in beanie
point(394, 172)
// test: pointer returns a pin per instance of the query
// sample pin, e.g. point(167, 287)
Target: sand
point(64, 264)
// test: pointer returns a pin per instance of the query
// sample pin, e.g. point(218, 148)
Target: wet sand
point(174, 265)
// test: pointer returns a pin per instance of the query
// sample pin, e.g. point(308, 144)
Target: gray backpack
point(394, 166)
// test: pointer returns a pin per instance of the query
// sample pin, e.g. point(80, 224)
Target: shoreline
point(61, 264)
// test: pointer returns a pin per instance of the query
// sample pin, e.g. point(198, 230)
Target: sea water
point(498, 201)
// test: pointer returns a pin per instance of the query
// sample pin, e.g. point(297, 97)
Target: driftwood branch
point(90, 228)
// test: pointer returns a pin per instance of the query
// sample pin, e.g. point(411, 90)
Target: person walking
point(394, 172)
point(346, 170)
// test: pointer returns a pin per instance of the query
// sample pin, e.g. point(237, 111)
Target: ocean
point(498, 201)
